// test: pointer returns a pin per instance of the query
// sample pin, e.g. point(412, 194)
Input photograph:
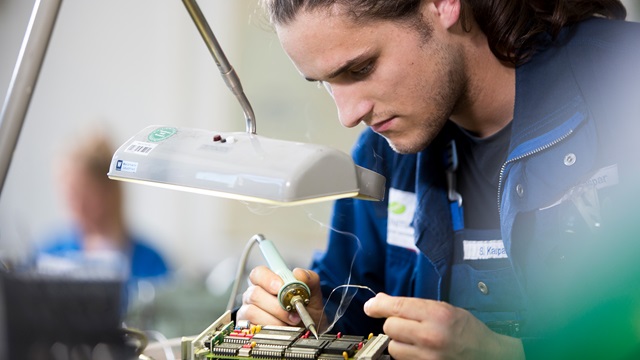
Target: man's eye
point(364, 70)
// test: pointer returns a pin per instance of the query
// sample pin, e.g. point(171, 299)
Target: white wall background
point(126, 64)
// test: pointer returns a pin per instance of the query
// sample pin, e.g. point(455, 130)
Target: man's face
point(401, 82)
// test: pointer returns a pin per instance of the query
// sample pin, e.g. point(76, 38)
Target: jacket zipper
point(535, 151)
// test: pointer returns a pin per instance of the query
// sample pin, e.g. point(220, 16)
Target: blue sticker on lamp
point(127, 166)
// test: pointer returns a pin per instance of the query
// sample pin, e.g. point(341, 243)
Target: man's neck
point(490, 97)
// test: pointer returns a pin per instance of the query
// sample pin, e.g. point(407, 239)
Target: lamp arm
point(24, 78)
point(226, 70)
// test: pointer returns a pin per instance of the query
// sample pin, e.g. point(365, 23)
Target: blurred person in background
point(97, 240)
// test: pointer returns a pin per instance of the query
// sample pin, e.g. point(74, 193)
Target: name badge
point(402, 207)
point(604, 177)
point(484, 250)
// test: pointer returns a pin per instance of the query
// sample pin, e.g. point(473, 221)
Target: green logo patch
point(397, 208)
point(162, 133)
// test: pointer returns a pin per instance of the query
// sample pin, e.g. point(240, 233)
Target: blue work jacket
point(577, 106)
point(142, 260)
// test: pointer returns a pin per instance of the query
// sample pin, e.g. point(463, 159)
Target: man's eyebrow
point(344, 67)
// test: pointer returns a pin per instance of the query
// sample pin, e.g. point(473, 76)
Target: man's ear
point(448, 12)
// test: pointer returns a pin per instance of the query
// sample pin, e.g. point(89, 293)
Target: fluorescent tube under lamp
point(239, 165)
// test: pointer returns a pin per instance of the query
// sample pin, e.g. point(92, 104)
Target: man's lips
point(382, 126)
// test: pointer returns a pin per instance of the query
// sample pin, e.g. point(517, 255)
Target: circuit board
point(225, 339)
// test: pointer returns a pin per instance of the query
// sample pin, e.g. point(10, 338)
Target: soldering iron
point(294, 294)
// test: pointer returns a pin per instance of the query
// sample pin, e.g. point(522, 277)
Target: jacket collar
point(547, 96)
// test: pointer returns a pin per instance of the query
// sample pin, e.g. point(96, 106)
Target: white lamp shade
point(242, 166)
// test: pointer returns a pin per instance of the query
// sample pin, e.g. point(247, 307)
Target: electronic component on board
point(222, 340)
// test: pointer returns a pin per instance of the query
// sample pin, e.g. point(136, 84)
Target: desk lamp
point(240, 165)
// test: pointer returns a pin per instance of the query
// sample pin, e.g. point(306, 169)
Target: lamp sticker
point(161, 134)
point(140, 148)
point(126, 166)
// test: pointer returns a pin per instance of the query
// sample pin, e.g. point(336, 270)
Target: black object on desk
point(49, 317)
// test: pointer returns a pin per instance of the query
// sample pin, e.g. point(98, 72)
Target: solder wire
point(345, 299)
point(344, 303)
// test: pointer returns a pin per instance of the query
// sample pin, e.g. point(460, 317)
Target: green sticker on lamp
point(162, 133)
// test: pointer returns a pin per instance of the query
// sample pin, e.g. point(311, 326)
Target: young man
point(503, 128)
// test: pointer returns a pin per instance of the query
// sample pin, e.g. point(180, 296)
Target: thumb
point(309, 277)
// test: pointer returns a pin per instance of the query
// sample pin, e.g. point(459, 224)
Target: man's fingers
point(260, 301)
point(398, 329)
point(263, 301)
point(263, 276)
point(399, 350)
point(311, 278)
point(418, 322)
point(257, 316)
point(258, 296)
point(385, 306)
point(412, 332)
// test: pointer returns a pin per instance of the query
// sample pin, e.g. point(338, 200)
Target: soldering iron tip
point(313, 330)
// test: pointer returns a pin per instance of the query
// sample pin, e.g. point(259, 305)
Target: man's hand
point(260, 302)
point(428, 329)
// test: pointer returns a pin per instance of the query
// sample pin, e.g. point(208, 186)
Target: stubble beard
point(445, 99)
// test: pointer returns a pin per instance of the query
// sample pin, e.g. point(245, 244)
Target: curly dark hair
point(512, 27)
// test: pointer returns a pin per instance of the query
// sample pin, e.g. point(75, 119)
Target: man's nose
point(351, 101)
